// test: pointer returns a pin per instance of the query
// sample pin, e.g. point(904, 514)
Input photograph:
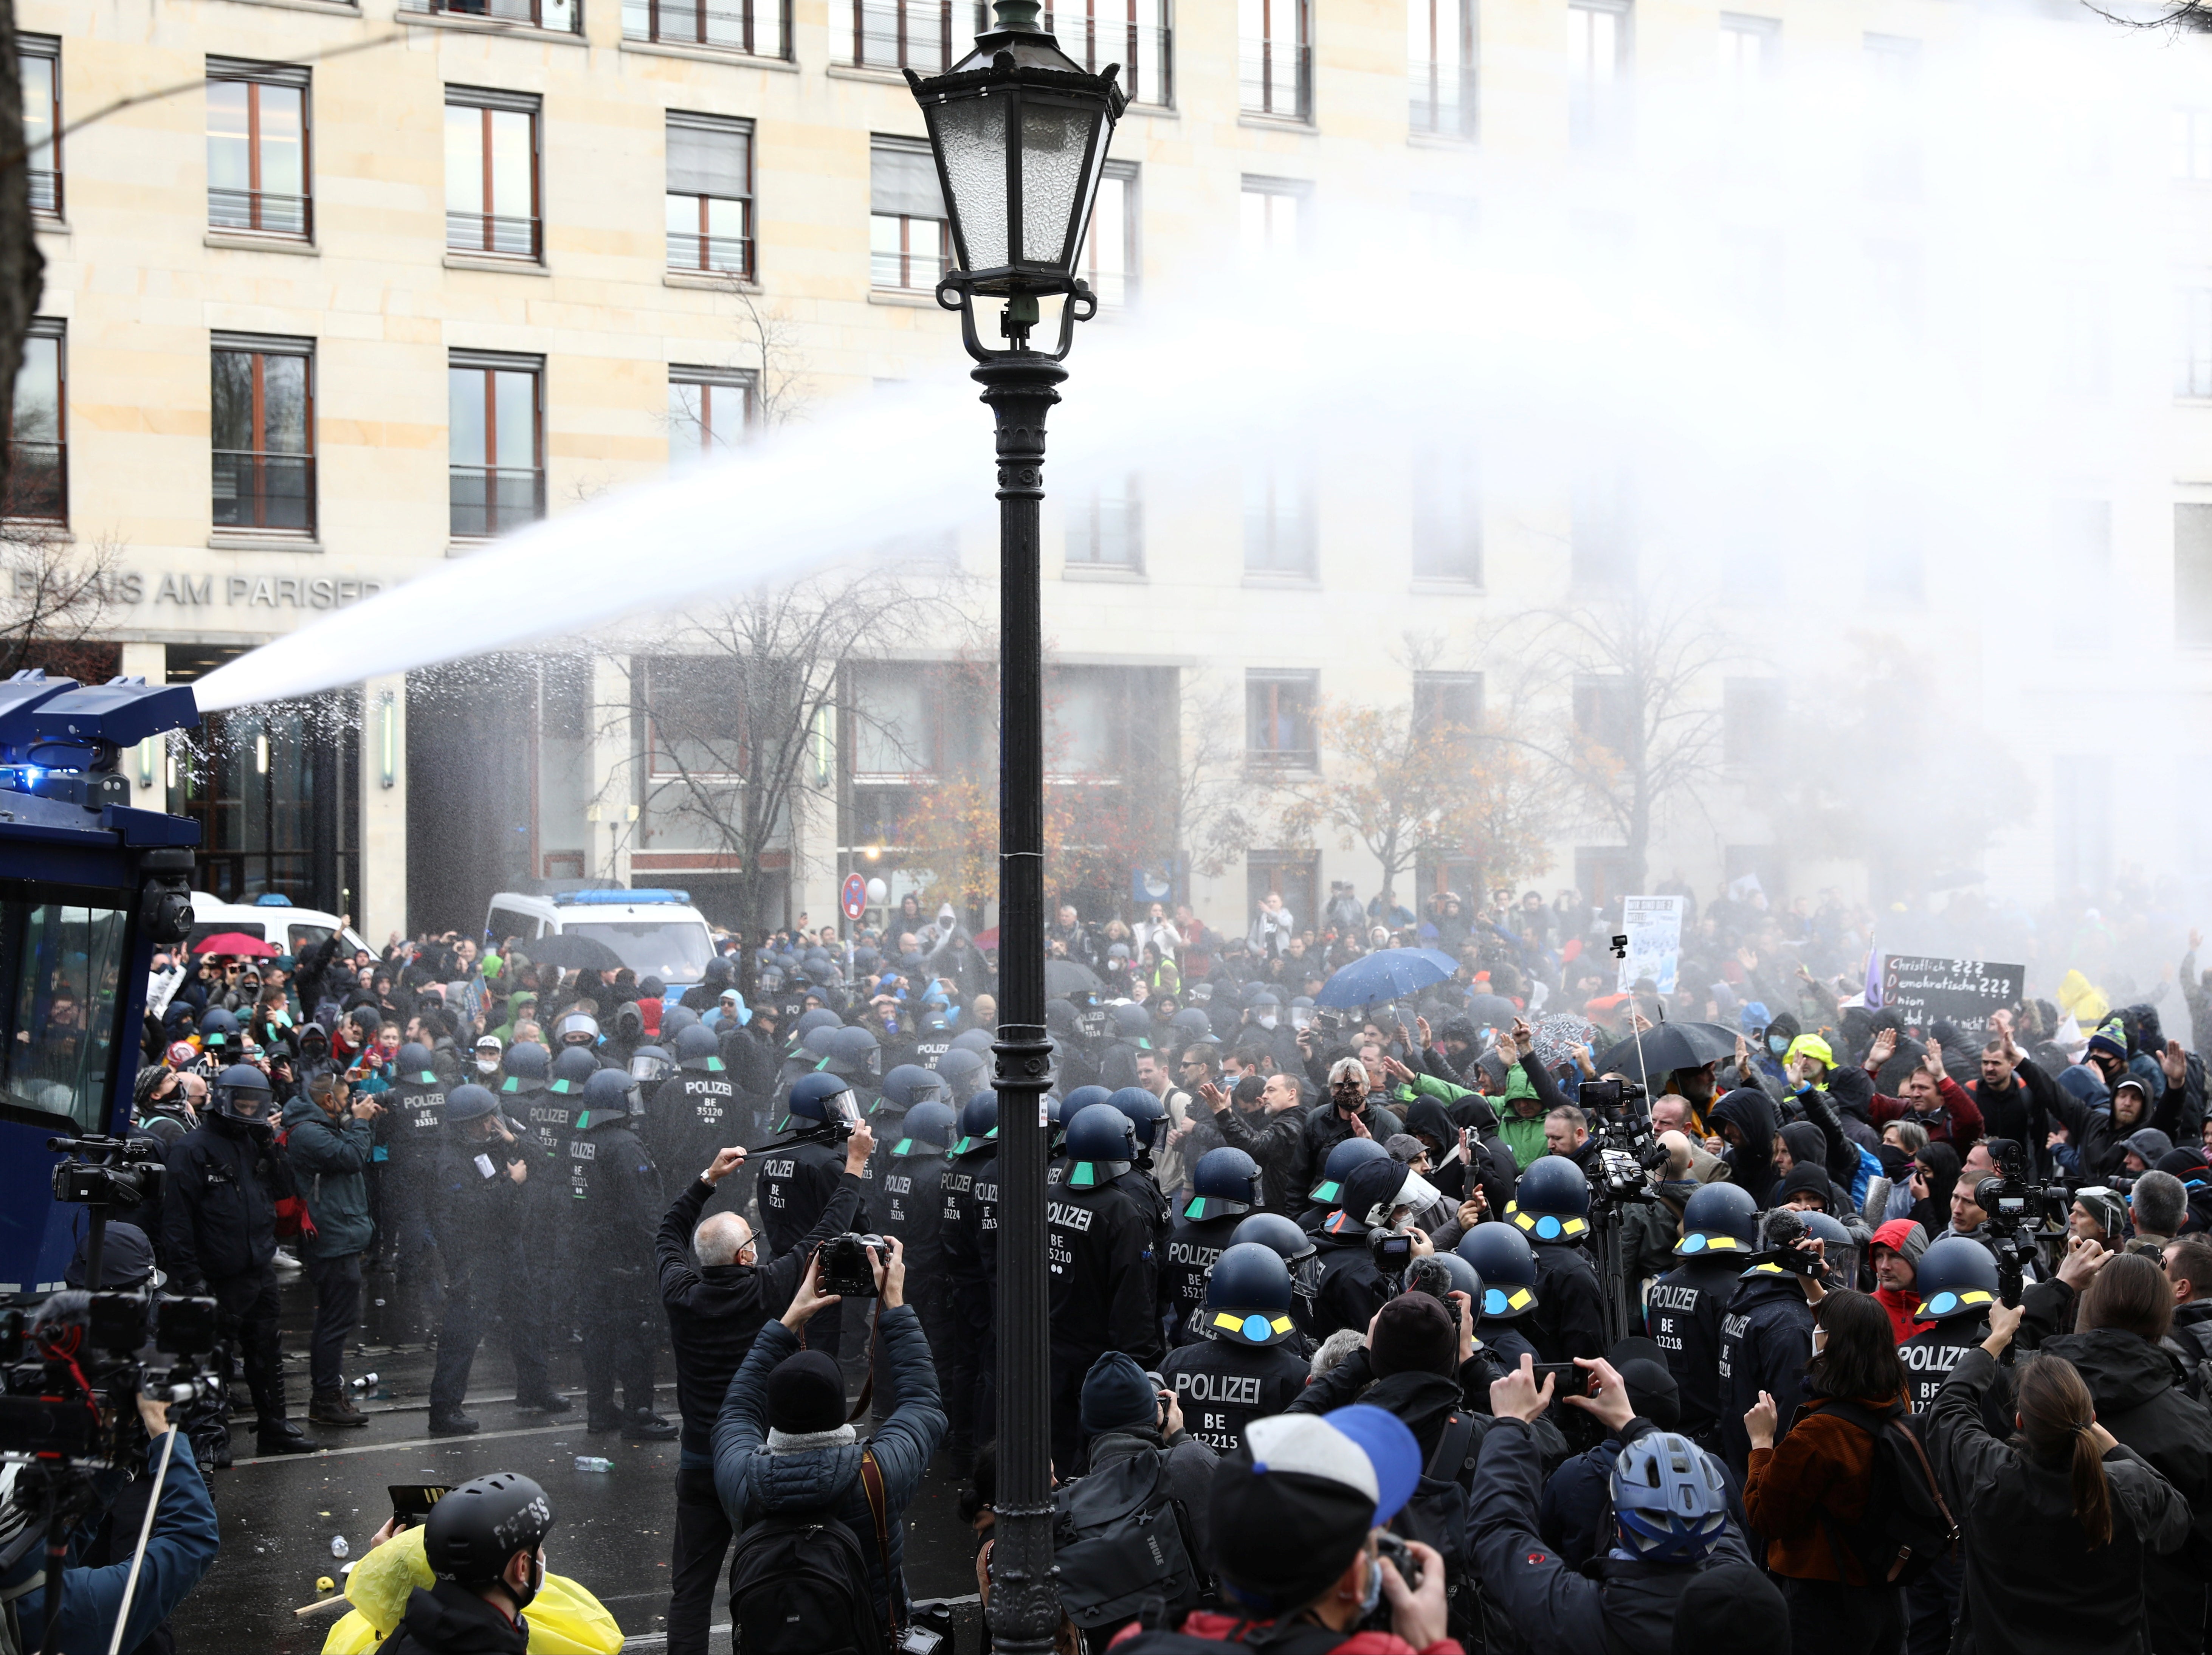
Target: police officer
point(1082, 1097)
point(796, 1179)
point(411, 1138)
point(219, 1223)
point(524, 1070)
point(932, 1033)
point(1551, 1207)
point(540, 1244)
point(1957, 1279)
point(1072, 1056)
point(1353, 1282)
point(969, 1363)
point(1103, 1270)
point(1511, 1290)
point(485, 1543)
point(482, 1165)
point(1766, 1339)
point(1719, 1227)
point(911, 1207)
point(1132, 1033)
point(1150, 1117)
point(694, 1112)
point(905, 1087)
point(1328, 1195)
point(964, 1073)
point(1224, 1187)
point(1245, 1366)
point(1299, 1255)
point(856, 1056)
point(577, 1028)
point(616, 1189)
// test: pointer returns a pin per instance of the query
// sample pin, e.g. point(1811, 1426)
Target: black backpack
point(1120, 1538)
point(1908, 1528)
point(799, 1586)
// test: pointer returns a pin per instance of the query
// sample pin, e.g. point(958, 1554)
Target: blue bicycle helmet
point(1669, 1498)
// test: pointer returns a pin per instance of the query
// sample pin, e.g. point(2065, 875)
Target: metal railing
point(37, 482)
point(1144, 50)
point(565, 16)
point(265, 491)
point(1277, 80)
point(46, 193)
point(489, 500)
point(712, 255)
point(260, 212)
point(486, 233)
point(761, 28)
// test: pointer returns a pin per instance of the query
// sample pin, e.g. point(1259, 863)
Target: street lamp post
point(1019, 130)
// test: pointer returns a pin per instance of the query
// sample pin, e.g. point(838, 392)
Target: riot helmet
point(979, 1122)
point(1102, 1145)
point(1507, 1264)
point(928, 1130)
point(1225, 1184)
point(1247, 1296)
point(575, 1066)
point(818, 1099)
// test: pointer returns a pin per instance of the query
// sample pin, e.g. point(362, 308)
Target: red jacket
point(1958, 1123)
point(1219, 1629)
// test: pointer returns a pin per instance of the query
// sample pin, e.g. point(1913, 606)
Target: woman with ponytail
point(2058, 1523)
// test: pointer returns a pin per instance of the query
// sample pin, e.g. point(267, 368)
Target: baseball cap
point(1293, 1506)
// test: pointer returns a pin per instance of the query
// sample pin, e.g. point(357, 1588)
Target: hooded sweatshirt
point(1904, 1237)
point(1751, 1163)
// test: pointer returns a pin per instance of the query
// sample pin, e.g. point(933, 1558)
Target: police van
point(274, 920)
point(654, 933)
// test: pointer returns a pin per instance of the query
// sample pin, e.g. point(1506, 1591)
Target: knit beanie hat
point(1414, 1335)
point(1117, 1393)
point(805, 1394)
point(1812, 1180)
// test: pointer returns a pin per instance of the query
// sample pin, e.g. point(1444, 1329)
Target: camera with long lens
point(72, 1370)
point(1621, 1126)
point(849, 1265)
point(2018, 1211)
point(113, 1172)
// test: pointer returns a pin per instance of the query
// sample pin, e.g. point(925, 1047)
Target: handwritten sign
point(1921, 988)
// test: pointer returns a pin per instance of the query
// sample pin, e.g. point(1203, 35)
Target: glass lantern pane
point(1055, 144)
point(971, 134)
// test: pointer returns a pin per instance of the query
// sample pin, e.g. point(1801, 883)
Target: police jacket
point(694, 1114)
point(979, 1214)
point(1683, 1312)
point(716, 1310)
point(1102, 1278)
point(1569, 1320)
point(1766, 1339)
point(219, 1209)
point(910, 1204)
point(1931, 1354)
point(795, 1185)
point(1628, 1609)
point(1350, 1288)
point(410, 1144)
point(615, 1190)
point(1223, 1384)
point(963, 1266)
point(2031, 1587)
point(1186, 1256)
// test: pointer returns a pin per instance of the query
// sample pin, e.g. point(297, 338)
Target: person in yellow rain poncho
point(2079, 998)
point(395, 1584)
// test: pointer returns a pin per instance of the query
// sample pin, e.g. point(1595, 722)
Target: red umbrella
point(235, 942)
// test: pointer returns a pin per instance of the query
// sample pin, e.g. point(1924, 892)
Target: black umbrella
point(1065, 976)
point(1670, 1046)
point(571, 953)
point(1493, 1009)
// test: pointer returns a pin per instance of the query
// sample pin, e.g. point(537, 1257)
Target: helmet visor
point(841, 1106)
point(647, 1066)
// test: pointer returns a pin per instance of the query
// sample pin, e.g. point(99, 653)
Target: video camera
point(2018, 1211)
point(1620, 1127)
point(113, 1172)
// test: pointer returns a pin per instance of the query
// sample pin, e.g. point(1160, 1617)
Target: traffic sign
point(855, 896)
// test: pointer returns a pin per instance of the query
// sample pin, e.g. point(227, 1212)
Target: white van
point(290, 930)
point(654, 933)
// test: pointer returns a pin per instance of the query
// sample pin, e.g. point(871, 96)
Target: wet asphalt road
point(279, 1515)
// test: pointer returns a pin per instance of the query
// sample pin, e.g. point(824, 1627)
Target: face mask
point(1374, 1587)
point(523, 1596)
point(487, 1065)
point(1777, 1044)
point(1267, 1019)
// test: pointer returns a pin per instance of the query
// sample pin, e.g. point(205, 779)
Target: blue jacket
point(330, 1163)
point(182, 1548)
point(754, 1483)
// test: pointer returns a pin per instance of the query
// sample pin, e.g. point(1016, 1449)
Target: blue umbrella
point(1388, 975)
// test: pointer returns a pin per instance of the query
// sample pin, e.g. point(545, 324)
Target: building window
point(1750, 720)
point(491, 173)
point(497, 437)
point(710, 195)
point(1448, 703)
point(37, 429)
point(263, 434)
point(909, 242)
point(1274, 48)
point(1106, 528)
point(1893, 66)
point(1272, 226)
point(2192, 368)
point(1440, 64)
point(1279, 519)
point(1110, 246)
point(915, 34)
point(1602, 541)
point(2192, 573)
point(1598, 61)
point(708, 410)
point(41, 58)
point(257, 134)
point(1135, 33)
point(1279, 718)
point(2193, 143)
point(564, 16)
point(1606, 712)
point(1293, 875)
point(761, 28)
point(1750, 54)
point(1447, 517)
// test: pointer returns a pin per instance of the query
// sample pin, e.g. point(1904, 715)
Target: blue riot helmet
point(1670, 1501)
point(698, 1050)
point(242, 1093)
point(909, 1085)
point(1552, 1200)
point(1273, 1230)
point(674, 1021)
point(610, 1095)
point(975, 1040)
point(1131, 1022)
point(650, 1064)
point(854, 1054)
point(1082, 1098)
point(816, 1044)
point(525, 1063)
point(979, 1122)
point(1102, 1145)
point(819, 1018)
point(1507, 1264)
point(818, 1099)
point(575, 1066)
point(1145, 1113)
point(1956, 1276)
point(1718, 1218)
point(1347, 1154)
point(964, 1073)
point(1465, 1278)
point(469, 1103)
point(1193, 1027)
point(928, 1130)
point(1225, 1184)
point(218, 1031)
point(412, 1065)
point(1838, 1250)
point(1247, 1296)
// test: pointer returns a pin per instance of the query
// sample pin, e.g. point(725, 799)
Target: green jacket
point(330, 1162)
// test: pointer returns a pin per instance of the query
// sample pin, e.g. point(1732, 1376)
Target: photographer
point(783, 1446)
point(178, 1552)
point(329, 1140)
point(1670, 1512)
point(714, 1312)
point(485, 1541)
